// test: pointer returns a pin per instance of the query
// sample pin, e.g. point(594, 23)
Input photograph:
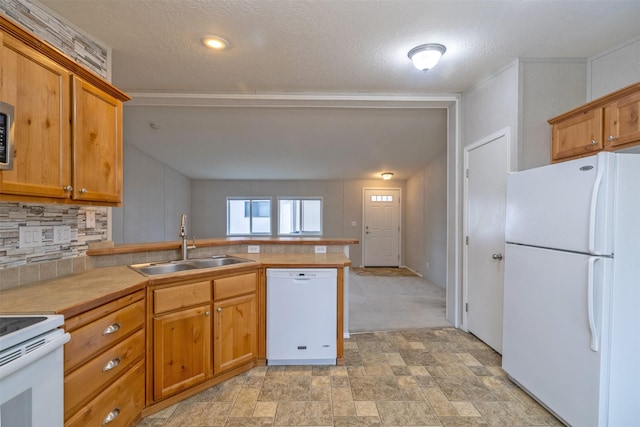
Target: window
point(248, 216)
point(381, 198)
point(300, 216)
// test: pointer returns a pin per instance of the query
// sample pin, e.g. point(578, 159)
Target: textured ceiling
point(322, 47)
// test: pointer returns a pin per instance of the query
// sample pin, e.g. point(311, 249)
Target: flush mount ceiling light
point(215, 42)
point(426, 56)
point(386, 175)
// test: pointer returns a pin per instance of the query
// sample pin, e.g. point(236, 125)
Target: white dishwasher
point(302, 316)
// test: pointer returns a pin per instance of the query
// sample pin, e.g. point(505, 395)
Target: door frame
point(506, 133)
point(362, 231)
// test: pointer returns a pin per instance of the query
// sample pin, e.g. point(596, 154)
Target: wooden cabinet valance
point(606, 124)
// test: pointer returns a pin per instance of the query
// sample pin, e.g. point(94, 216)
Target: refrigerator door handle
point(595, 341)
point(593, 209)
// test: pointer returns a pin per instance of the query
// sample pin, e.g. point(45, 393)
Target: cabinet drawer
point(233, 286)
point(93, 338)
point(85, 382)
point(181, 296)
point(122, 402)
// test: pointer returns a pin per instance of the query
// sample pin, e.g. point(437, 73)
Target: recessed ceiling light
point(215, 42)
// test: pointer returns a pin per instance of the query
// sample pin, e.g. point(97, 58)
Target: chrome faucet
point(183, 234)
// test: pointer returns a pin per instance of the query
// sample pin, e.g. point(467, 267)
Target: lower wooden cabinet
point(181, 350)
point(119, 405)
point(198, 330)
point(104, 363)
point(235, 332)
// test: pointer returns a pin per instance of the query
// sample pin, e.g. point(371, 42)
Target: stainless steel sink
point(154, 268)
point(163, 268)
point(217, 261)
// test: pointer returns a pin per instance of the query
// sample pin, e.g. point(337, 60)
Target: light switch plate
point(321, 249)
point(253, 249)
point(30, 237)
point(61, 234)
point(90, 219)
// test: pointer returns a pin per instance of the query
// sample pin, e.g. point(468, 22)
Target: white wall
point(491, 105)
point(154, 198)
point(548, 87)
point(614, 69)
point(426, 226)
point(342, 204)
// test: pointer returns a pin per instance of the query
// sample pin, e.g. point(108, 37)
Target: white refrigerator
point(571, 334)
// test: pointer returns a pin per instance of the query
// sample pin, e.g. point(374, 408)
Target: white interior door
point(487, 166)
point(381, 227)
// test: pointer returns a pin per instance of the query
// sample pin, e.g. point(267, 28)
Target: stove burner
point(12, 324)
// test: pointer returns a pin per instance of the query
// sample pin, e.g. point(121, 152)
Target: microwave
point(7, 112)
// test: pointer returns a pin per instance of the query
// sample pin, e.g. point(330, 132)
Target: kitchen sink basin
point(153, 268)
point(217, 261)
point(163, 268)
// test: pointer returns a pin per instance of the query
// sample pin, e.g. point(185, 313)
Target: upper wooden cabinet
point(622, 121)
point(67, 127)
point(97, 144)
point(608, 123)
point(40, 91)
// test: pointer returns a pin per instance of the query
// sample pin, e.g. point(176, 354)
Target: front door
point(381, 227)
point(487, 166)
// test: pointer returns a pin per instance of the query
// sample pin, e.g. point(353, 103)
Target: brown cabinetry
point(67, 126)
point(200, 330)
point(235, 322)
point(181, 338)
point(605, 124)
point(104, 364)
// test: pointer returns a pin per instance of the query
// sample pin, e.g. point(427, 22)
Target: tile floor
point(420, 377)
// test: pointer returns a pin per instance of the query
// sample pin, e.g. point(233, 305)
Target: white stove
point(31, 370)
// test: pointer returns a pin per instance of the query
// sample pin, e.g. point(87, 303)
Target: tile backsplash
point(13, 216)
point(57, 33)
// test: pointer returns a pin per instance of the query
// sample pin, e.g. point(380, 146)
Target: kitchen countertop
point(74, 294)
point(224, 241)
point(70, 295)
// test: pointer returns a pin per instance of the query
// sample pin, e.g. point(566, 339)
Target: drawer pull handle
point(111, 329)
point(111, 416)
point(112, 364)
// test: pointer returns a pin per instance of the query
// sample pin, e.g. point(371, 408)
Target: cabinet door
point(39, 90)
point(622, 122)
point(181, 350)
point(97, 144)
point(235, 332)
point(577, 136)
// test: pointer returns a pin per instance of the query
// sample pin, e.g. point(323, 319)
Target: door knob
point(497, 256)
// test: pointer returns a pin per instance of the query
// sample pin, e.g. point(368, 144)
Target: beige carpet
point(384, 272)
point(394, 303)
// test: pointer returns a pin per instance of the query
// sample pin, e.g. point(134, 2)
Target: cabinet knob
point(112, 364)
point(219, 309)
point(111, 416)
point(206, 313)
point(593, 142)
point(111, 329)
point(83, 190)
point(68, 188)
point(612, 138)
